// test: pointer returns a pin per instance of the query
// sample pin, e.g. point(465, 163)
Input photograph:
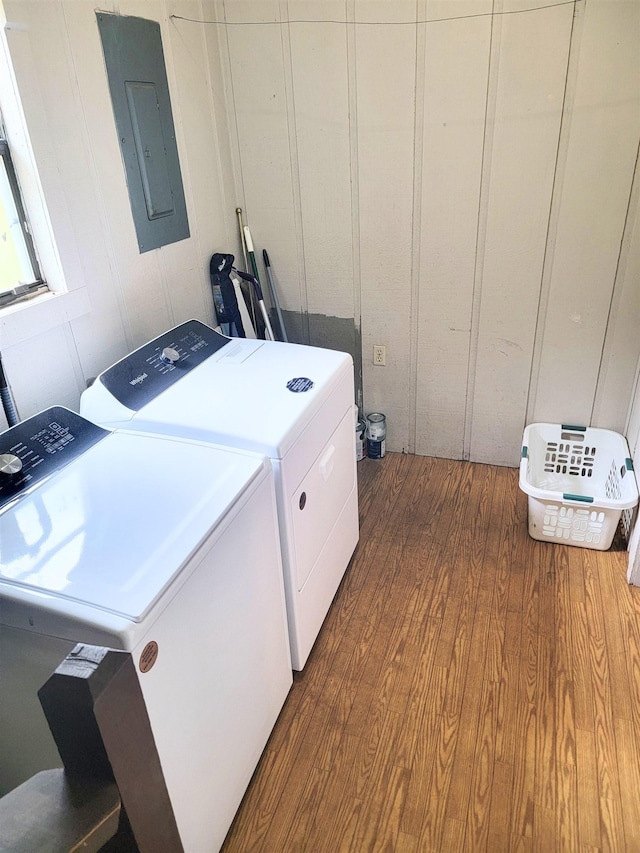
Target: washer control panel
point(144, 374)
point(37, 447)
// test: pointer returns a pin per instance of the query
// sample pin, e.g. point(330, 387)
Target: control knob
point(169, 355)
point(10, 465)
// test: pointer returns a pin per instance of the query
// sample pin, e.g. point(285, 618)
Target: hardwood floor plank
point(513, 633)
point(379, 823)
point(564, 722)
point(507, 711)
point(494, 652)
point(523, 555)
point(588, 796)
point(506, 526)
point(546, 556)
point(545, 794)
point(628, 752)
point(453, 837)
point(379, 484)
point(612, 827)
point(529, 653)
point(426, 502)
point(428, 700)
point(364, 778)
point(406, 843)
point(616, 641)
point(471, 723)
point(500, 809)
point(446, 739)
point(544, 838)
point(421, 697)
point(566, 812)
point(601, 691)
point(482, 771)
point(562, 613)
point(520, 844)
point(338, 819)
point(471, 549)
point(581, 660)
point(523, 812)
point(449, 574)
point(375, 558)
point(304, 824)
point(576, 560)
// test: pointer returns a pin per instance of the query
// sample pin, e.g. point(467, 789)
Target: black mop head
point(224, 297)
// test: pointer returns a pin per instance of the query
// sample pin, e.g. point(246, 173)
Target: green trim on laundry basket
point(525, 451)
point(629, 463)
point(584, 498)
point(573, 428)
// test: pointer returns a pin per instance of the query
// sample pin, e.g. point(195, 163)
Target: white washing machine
point(294, 404)
point(123, 540)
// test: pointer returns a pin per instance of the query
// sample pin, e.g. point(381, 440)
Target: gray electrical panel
point(140, 96)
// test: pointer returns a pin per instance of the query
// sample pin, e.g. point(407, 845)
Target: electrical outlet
point(379, 355)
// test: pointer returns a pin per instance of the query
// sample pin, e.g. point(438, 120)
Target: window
point(20, 275)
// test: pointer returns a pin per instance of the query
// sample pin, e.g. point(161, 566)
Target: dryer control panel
point(37, 447)
point(140, 377)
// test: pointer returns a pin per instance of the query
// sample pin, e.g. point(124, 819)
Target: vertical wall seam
point(352, 88)
point(185, 170)
point(294, 161)
point(74, 356)
point(111, 252)
point(632, 433)
point(564, 135)
point(616, 293)
point(483, 212)
point(204, 278)
point(162, 275)
point(634, 441)
point(216, 131)
point(416, 223)
point(232, 116)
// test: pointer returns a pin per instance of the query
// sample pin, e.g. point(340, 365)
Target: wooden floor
point(471, 689)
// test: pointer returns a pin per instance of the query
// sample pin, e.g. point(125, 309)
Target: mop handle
point(256, 283)
point(274, 295)
point(242, 239)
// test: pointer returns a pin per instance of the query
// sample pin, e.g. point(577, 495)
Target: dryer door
point(317, 503)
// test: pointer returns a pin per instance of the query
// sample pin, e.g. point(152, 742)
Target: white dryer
point(294, 404)
point(127, 540)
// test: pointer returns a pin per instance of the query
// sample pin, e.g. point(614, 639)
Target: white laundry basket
point(579, 480)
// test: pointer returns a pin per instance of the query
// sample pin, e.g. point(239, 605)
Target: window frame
point(38, 285)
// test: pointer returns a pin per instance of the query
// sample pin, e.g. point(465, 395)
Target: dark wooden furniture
point(112, 790)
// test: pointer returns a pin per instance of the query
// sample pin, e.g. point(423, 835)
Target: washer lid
point(115, 528)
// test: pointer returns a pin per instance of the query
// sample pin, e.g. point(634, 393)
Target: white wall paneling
point(385, 59)
point(593, 200)
point(622, 341)
point(526, 87)
point(321, 116)
point(453, 179)
point(454, 99)
point(40, 386)
point(261, 121)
